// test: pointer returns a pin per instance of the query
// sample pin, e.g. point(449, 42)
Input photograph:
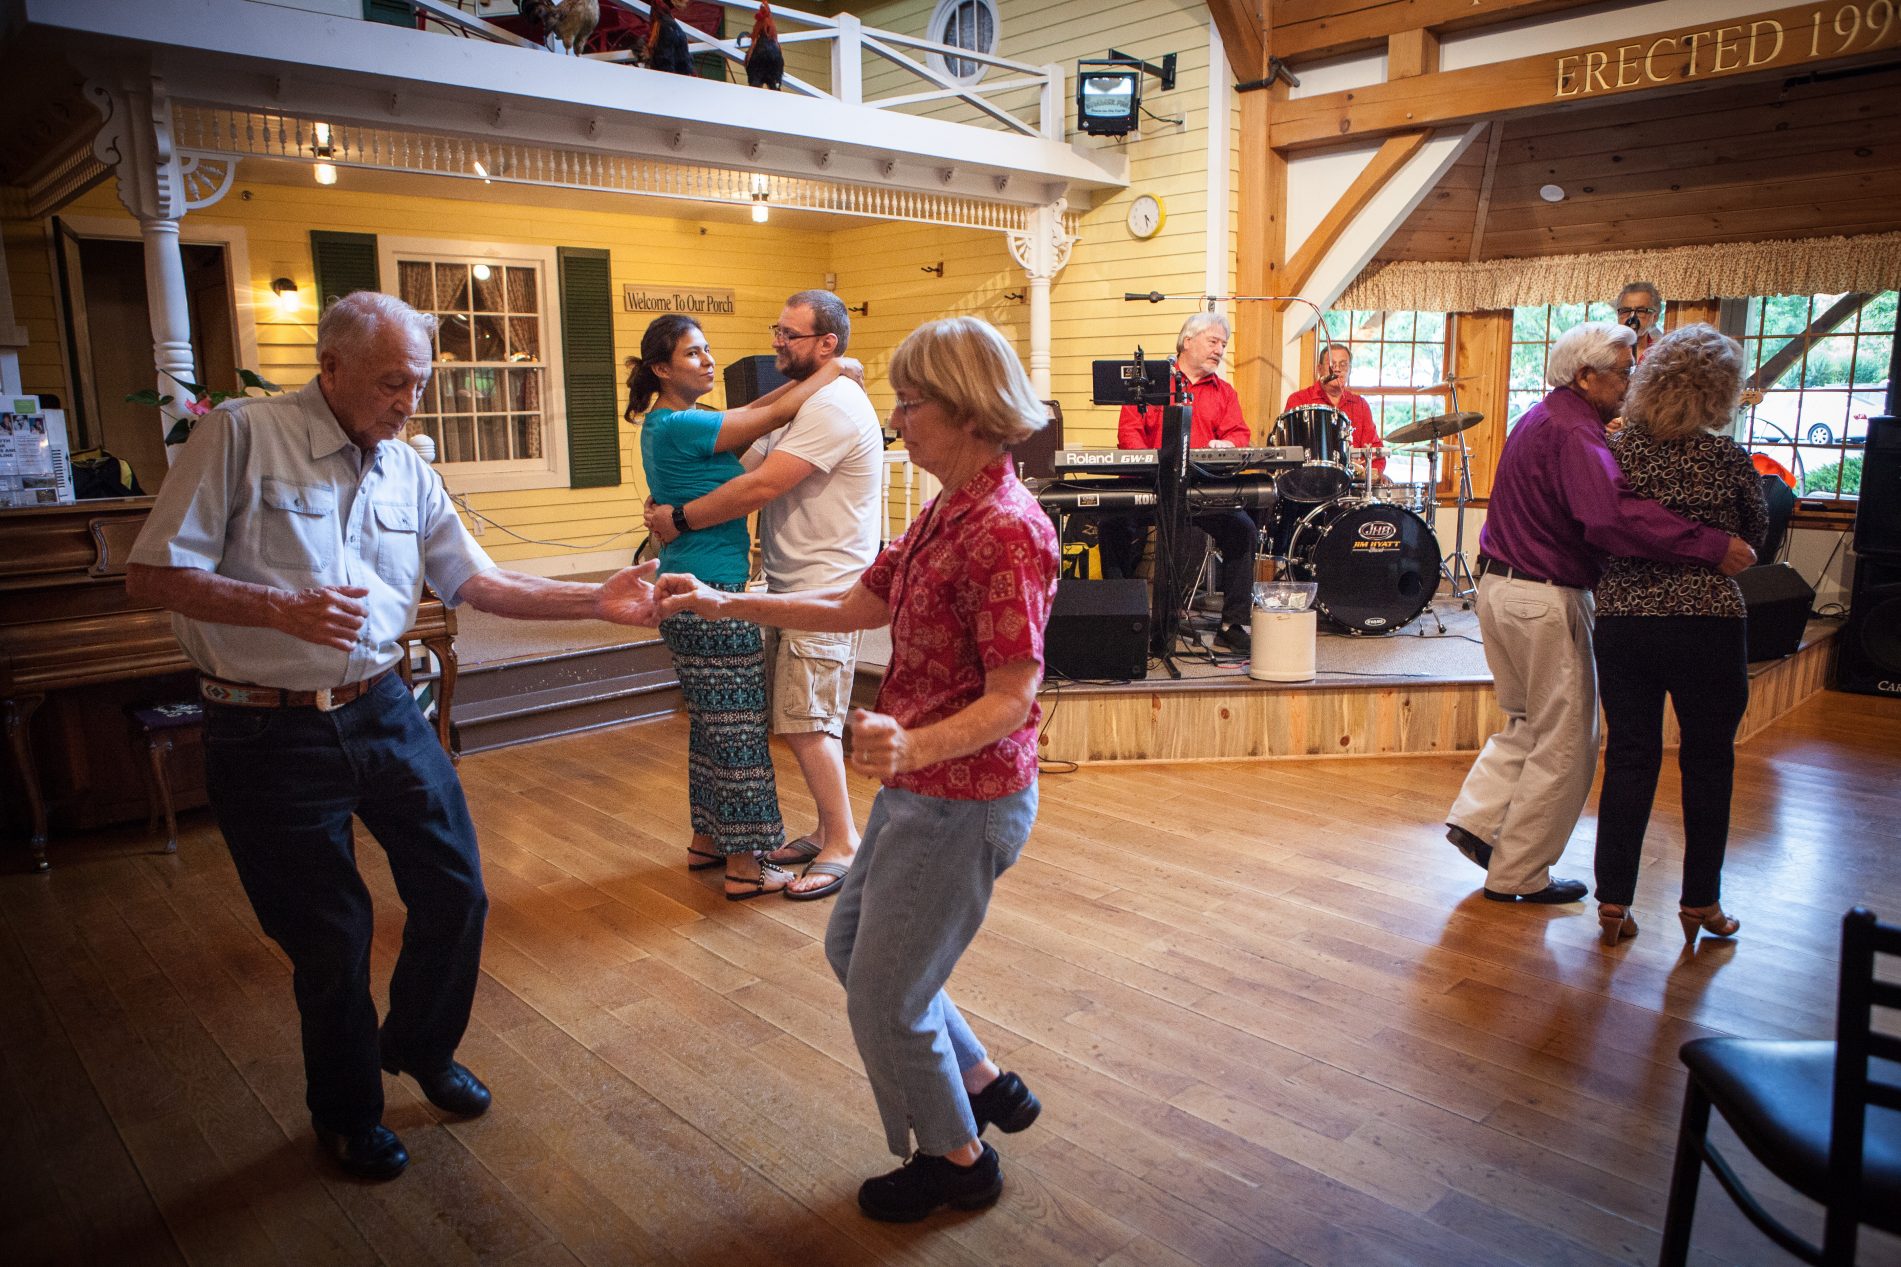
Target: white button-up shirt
point(270, 490)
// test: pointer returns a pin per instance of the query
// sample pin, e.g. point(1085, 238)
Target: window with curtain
point(1395, 356)
point(1534, 330)
point(970, 24)
point(484, 405)
point(1821, 364)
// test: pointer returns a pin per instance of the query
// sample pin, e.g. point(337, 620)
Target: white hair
point(350, 323)
point(1595, 345)
point(1201, 321)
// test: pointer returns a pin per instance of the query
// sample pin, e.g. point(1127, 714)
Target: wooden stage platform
point(1230, 716)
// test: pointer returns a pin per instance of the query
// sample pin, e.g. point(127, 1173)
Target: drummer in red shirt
point(1214, 423)
point(1330, 388)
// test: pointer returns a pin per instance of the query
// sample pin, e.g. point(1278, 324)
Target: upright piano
point(72, 642)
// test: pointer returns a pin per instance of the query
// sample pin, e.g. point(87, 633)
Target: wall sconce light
point(759, 208)
point(326, 173)
point(286, 291)
point(937, 268)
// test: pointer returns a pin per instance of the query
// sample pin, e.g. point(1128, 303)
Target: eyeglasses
point(783, 335)
point(1636, 312)
point(902, 406)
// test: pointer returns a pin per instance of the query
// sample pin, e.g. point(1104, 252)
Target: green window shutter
point(394, 12)
point(343, 262)
point(589, 367)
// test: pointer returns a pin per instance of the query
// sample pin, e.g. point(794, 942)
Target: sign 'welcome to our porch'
point(1785, 37)
point(694, 303)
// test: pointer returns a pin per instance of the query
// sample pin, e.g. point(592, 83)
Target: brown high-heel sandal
point(1707, 919)
point(1615, 923)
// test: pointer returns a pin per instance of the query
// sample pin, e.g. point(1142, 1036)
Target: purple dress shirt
point(1560, 507)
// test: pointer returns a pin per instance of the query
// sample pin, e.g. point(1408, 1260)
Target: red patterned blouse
point(969, 585)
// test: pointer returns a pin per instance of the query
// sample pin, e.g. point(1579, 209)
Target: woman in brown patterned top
point(1675, 629)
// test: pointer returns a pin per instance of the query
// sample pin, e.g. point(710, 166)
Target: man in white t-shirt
point(815, 485)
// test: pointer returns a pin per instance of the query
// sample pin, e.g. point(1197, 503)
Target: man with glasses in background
point(1640, 310)
point(815, 485)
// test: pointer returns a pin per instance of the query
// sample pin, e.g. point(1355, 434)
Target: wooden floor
point(1268, 1014)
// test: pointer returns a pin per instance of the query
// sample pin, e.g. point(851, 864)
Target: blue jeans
point(284, 783)
point(916, 895)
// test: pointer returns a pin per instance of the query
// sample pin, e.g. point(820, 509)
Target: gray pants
point(916, 895)
point(1525, 792)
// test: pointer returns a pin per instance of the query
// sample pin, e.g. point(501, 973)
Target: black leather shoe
point(1471, 846)
point(1551, 895)
point(1235, 638)
point(926, 1183)
point(454, 1090)
point(372, 1154)
point(1007, 1103)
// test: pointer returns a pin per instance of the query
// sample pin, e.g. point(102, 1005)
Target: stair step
point(536, 697)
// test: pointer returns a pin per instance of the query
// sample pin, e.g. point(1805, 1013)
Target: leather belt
point(1492, 567)
point(245, 695)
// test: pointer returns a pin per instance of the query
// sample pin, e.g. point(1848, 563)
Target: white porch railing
point(852, 43)
point(903, 488)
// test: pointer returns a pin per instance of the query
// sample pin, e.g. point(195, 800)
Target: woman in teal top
point(687, 453)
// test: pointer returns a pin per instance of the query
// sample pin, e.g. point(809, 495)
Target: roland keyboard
point(1141, 461)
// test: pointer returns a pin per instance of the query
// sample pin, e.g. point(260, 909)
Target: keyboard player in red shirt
point(1215, 423)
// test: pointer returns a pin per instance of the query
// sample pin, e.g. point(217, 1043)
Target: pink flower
point(197, 408)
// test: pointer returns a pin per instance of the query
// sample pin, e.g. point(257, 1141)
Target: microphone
point(1154, 297)
point(1635, 322)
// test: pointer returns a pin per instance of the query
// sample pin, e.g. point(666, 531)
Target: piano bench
point(159, 726)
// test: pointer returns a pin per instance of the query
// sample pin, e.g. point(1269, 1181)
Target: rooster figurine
point(666, 42)
point(765, 63)
point(568, 23)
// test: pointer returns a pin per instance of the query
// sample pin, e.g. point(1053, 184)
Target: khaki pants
point(1529, 784)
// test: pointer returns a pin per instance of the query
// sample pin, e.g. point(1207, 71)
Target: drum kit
point(1368, 545)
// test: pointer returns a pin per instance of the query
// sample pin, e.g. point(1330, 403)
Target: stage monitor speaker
point(751, 377)
point(1036, 456)
point(1868, 656)
point(1099, 631)
point(1878, 510)
point(1777, 601)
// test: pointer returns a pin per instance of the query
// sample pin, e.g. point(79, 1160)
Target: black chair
point(1825, 1118)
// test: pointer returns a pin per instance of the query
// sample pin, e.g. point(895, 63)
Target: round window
point(970, 24)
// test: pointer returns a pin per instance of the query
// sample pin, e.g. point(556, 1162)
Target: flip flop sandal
point(803, 850)
point(837, 870)
point(761, 884)
point(700, 860)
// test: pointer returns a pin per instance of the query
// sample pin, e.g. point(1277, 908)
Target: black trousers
point(284, 784)
point(1234, 535)
point(1701, 663)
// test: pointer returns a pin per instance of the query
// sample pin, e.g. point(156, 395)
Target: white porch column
point(1042, 250)
point(136, 142)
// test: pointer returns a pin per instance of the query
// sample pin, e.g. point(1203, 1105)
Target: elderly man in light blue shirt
point(291, 542)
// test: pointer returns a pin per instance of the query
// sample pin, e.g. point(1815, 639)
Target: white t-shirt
point(824, 531)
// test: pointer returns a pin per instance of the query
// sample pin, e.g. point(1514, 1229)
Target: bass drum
point(1376, 565)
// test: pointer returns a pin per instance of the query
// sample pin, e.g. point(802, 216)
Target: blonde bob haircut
point(1688, 381)
point(964, 365)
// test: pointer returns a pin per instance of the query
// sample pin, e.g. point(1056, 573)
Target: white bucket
point(1283, 645)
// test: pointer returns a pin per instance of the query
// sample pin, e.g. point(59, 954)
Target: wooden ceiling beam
point(1243, 27)
point(1567, 79)
point(1391, 157)
point(1412, 52)
point(1493, 141)
point(1308, 31)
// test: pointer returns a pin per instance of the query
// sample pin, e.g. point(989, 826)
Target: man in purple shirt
point(1559, 508)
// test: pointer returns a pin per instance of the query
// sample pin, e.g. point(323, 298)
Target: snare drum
point(1418, 498)
point(1323, 431)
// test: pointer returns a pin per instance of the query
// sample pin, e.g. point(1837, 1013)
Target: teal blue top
point(676, 451)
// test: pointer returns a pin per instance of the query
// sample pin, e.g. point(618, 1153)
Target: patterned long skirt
point(722, 669)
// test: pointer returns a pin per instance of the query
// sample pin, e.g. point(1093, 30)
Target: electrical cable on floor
point(1053, 767)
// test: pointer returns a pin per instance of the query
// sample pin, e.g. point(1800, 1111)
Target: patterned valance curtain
point(1813, 266)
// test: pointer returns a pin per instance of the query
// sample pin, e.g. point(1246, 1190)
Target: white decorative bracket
point(135, 141)
point(207, 178)
point(1042, 249)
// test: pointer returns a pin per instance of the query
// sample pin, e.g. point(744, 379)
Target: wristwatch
point(679, 519)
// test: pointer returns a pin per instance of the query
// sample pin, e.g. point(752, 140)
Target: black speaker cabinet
point(1036, 456)
point(1878, 512)
point(1778, 602)
point(1868, 657)
point(1099, 631)
point(749, 378)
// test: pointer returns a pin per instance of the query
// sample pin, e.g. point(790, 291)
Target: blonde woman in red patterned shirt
point(967, 592)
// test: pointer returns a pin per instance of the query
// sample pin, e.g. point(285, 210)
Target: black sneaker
point(1476, 851)
point(1007, 1103)
point(926, 1183)
point(1235, 638)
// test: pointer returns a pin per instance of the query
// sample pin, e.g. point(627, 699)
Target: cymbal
point(1434, 428)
